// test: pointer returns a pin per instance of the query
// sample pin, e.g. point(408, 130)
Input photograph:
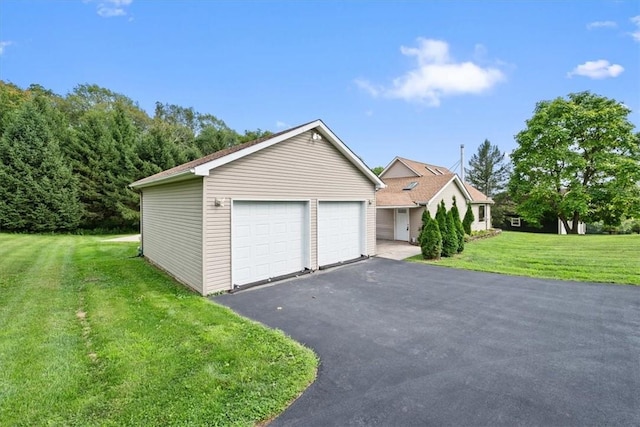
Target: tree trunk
point(568, 229)
point(576, 223)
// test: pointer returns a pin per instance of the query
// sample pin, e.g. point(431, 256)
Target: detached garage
point(287, 204)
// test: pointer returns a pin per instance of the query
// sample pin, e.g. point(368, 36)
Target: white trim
point(399, 206)
point(180, 176)
point(205, 168)
point(398, 159)
point(460, 186)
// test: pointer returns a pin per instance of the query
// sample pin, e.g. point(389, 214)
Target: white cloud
point(600, 69)
point(601, 24)
point(111, 8)
point(4, 44)
point(282, 125)
point(636, 33)
point(436, 75)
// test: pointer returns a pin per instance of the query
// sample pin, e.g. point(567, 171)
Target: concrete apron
point(396, 249)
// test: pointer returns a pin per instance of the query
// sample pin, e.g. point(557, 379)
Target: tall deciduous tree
point(488, 171)
point(579, 159)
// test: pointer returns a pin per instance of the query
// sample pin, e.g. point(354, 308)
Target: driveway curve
point(407, 344)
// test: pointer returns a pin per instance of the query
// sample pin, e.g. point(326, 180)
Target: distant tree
point(458, 225)
point(468, 219)
point(503, 205)
point(37, 190)
point(579, 159)
point(378, 170)
point(488, 171)
point(430, 239)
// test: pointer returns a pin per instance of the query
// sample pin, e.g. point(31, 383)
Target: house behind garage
point(285, 204)
point(412, 187)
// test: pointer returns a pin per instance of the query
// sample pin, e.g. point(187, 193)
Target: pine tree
point(468, 219)
point(488, 171)
point(458, 225)
point(431, 239)
point(37, 190)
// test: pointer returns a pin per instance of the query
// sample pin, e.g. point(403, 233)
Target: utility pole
point(462, 162)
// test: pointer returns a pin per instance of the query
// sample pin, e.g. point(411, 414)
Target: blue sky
point(414, 79)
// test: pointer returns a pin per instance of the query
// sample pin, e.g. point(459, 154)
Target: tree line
point(66, 161)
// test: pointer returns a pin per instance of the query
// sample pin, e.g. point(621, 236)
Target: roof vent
point(431, 170)
point(410, 186)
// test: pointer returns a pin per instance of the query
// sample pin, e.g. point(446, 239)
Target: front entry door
point(402, 224)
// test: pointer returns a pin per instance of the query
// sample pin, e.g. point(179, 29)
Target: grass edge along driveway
point(90, 335)
point(586, 258)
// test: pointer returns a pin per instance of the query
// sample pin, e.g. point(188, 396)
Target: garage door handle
point(407, 228)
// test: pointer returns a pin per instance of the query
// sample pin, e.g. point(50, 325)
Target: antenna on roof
point(462, 162)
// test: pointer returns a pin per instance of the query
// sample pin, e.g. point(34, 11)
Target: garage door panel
point(340, 231)
point(269, 240)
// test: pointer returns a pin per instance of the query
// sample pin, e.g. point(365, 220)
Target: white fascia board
point(398, 159)
point(180, 176)
point(460, 186)
point(398, 207)
point(346, 151)
point(205, 168)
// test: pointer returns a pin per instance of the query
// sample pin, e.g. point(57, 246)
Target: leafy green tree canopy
point(579, 159)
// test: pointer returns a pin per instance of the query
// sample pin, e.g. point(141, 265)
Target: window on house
point(411, 185)
point(481, 213)
point(515, 222)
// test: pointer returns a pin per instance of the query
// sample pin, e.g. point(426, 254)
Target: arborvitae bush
point(468, 219)
point(426, 216)
point(452, 236)
point(459, 226)
point(449, 240)
point(431, 239)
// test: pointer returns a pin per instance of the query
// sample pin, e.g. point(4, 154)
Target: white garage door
point(340, 231)
point(269, 240)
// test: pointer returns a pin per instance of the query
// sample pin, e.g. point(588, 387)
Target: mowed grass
point(90, 335)
point(589, 258)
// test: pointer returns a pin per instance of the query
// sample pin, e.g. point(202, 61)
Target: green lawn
point(90, 335)
point(591, 258)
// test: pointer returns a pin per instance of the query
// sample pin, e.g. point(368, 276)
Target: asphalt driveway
point(404, 344)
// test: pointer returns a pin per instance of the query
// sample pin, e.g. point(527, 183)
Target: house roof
point(419, 168)
point(477, 195)
point(430, 182)
point(203, 165)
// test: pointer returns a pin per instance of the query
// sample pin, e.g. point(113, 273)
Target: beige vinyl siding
point(415, 223)
point(398, 170)
point(385, 224)
point(296, 169)
point(447, 193)
point(172, 229)
point(478, 225)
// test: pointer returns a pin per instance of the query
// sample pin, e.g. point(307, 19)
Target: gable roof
point(430, 183)
point(419, 168)
point(477, 195)
point(203, 165)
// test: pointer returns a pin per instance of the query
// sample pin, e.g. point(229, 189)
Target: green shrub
point(431, 239)
point(468, 219)
point(458, 225)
